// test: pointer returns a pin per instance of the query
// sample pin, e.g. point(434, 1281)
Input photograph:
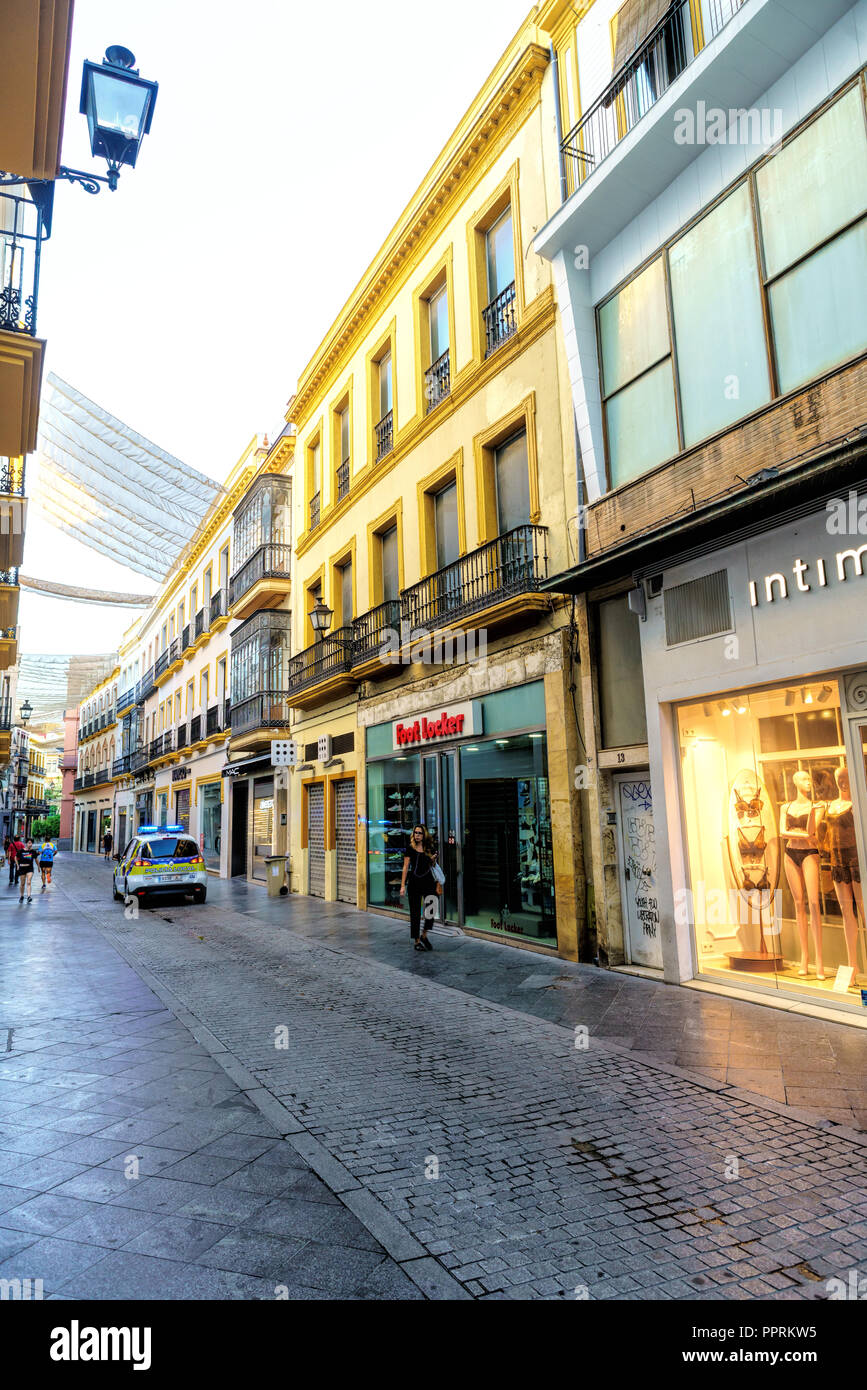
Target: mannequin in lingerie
point(801, 859)
point(836, 832)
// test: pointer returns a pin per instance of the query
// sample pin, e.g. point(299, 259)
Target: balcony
point(325, 666)
point(161, 665)
point(8, 647)
point(437, 382)
point(13, 512)
point(343, 480)
point(145, 687)
point(126, 701)
point(372, 629)
point(384, 435)
point(622, 154)
point(22, 232)
point(161, 746)
point(267, 710)
point(186, 638)
point(200, 624)
point(315, 503)
point(6, 719)
point(138, 760)
point(195, 729)
point(263, 581)
point(219, 610)
point(121, 766)
point(32, 94)
point(262, 546)
point(500, 319)
point(9, 593)
point(182, 738)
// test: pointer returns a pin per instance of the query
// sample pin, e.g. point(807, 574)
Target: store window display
point(770, 816)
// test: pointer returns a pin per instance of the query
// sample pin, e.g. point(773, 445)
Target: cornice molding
point(489, 132)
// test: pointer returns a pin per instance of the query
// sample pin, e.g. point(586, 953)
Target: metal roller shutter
point(345, 841)
point(316, 840)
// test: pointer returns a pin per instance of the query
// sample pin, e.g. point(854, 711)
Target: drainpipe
point(555, 66)
point(579, 470)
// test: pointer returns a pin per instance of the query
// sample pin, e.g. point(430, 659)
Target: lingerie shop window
point(775, 888)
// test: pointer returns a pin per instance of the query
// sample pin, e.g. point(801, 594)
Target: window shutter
point(635, 21)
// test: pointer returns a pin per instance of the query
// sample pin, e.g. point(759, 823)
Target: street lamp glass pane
point(120, 105)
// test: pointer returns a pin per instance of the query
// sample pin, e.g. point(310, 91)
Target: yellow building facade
point(431, 453)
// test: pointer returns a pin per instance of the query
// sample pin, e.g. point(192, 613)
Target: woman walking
point(418, 871)
point(24, 862)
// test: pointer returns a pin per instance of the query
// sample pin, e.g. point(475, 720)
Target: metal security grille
point(316, 841)
point(344, 799)
point(699, 608)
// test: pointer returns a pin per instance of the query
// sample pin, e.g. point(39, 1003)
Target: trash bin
point(275, 871)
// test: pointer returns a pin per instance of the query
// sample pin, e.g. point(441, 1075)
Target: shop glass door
point(263, 824)
point(441, 805)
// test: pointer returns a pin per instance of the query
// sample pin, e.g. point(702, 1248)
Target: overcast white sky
point(286, 140)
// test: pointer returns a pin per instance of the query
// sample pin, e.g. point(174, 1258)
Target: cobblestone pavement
point(488, 1154)
point(96, 1072)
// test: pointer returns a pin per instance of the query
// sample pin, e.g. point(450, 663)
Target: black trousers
point(11, 870)
point(418, 891)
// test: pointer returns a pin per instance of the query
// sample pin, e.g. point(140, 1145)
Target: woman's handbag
point(438, 873)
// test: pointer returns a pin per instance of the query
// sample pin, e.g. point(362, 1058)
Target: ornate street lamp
point(320, 617)
point(119, 105)
point(26, 711)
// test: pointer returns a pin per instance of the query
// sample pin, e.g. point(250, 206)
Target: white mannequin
point(849, 894)
point(802, 868)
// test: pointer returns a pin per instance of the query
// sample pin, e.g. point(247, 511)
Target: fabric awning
point(635, 20)
point(112, 489)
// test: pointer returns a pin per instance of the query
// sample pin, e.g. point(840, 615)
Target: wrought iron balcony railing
point(181, 737)
point(161, 664)
point(639, 84)
point(269, 709)
point(22, 232)
point(121, 765)
point(161, 745)
point(514, 563)
point(126, 700)
point(501, 319)
point(195, 728)
point(437, 381)
point(212, 720)
point(138, 759)
point(186, 638)
point(271, 561)
point(327, 657)
point(384, 433)
point(343, 480)
point(12, 476)
point(370, 630)
point(200, 624)
point(219, 605)
point(5, 714)
point(315, 502)
point(145, 686)
point(174, 650)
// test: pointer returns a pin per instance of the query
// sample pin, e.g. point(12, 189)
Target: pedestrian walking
point(47, 852)
point(15, 844)
point(107, 843)
point(418, 875)
point(24, 860)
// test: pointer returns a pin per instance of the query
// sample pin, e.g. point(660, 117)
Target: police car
point(160, 859)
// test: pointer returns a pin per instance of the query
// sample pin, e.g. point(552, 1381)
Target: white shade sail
point(112, 489)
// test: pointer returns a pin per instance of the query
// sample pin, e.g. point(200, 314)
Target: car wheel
point(114, 893)
point(200, 895)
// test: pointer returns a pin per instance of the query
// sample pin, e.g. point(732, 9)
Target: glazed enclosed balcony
point(13, 512)
point(262, 547)
point(22, 231)
point(260, 659)
point(624, 151)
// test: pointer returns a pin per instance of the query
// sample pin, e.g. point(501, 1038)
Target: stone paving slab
point(523, 1165)
point(121, 1139)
